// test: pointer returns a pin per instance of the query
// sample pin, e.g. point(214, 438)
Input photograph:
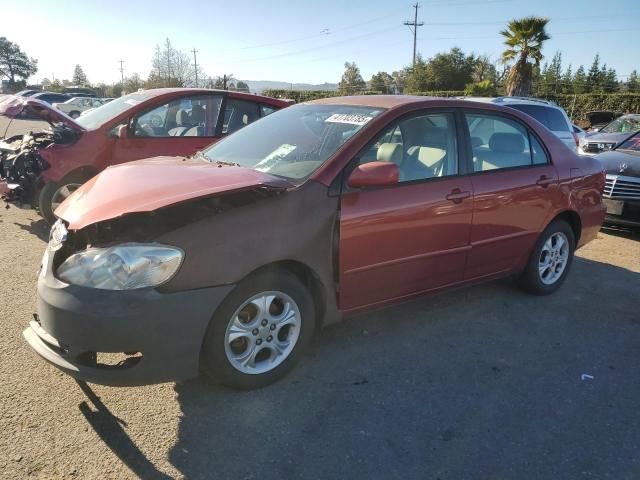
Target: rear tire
point(259, 332)
point(550, 260)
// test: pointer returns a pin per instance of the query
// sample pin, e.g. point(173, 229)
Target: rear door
point(177, 128)
point(514, 187)
point(411, 237)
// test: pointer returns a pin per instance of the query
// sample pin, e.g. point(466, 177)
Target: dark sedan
point(622, 188)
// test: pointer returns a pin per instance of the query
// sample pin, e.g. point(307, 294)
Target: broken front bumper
point(77, 325)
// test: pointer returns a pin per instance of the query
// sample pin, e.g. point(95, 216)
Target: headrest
point(506, 142)
point(197, 114)
point(390, 152)
point(429, 156)
point(182, 117)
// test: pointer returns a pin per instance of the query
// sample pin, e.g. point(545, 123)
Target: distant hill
point(261, 85)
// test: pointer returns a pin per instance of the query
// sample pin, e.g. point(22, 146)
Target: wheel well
point(573, 219)
point(308, 277)
point(82, 172)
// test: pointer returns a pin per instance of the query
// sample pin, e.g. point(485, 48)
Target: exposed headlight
point(123, 267)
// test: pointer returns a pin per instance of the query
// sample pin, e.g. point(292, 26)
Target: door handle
point(456, 195)
point(544, 181)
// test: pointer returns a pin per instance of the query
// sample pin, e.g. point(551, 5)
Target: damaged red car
point(46, 165)
point(225, 264)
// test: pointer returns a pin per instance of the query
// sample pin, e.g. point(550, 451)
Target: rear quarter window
point(552, 118)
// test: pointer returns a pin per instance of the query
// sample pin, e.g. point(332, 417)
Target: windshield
point(625, 124)
point(293, 142)
point(98, 117)
point(632, 143)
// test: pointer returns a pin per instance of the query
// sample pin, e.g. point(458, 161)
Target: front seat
point(183, 124)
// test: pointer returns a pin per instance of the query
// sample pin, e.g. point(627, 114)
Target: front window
point(98, 117)
point(625, 124)
point(631, 144)
point(293, 142)
point(195, 116)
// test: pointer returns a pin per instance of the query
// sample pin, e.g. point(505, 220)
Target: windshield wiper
point(230, 164)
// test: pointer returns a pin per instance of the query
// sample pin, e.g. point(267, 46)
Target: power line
point(415, 24)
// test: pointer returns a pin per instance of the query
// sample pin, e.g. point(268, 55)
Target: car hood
point(148, 185)
point(606, 137)
point(618, 162)
point(16, 107)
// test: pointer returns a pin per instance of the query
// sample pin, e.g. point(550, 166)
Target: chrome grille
point(622, 188)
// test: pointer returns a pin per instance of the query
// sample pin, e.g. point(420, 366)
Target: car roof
point(513, 100)
point(155, 92)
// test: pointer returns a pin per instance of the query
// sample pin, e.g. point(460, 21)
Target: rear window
point(552, 118)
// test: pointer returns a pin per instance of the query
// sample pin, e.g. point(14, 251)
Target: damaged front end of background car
point(29, 127)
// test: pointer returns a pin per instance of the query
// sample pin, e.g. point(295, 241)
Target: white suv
point(75, 106)
point(546, 112)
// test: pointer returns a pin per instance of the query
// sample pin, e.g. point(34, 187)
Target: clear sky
point(303, 41)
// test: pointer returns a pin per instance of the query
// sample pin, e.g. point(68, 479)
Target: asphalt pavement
point(482, 383)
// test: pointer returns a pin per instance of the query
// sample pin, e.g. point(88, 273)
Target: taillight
point(576, 139)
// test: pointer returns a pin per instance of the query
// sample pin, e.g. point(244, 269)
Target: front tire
point(550, 259)
point(74, 114)
point(54, 193)
point(260, 331)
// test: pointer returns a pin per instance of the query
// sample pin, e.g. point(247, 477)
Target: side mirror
point(374, 174)
point(121, 131)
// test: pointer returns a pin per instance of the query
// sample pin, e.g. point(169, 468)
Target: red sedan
point(43, 168)
point(226, 263)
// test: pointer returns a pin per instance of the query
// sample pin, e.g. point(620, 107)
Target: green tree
point(567, 80)
point(133, 83)
point(15, 65)
point(550, 77)
point(633, 84)
point(399, 80)
point(351, 81)
point(79, 77)
point(485, 88)
point(381, 82)
point(450, 70)
point(242, 86)
point(580, 81)
point(610, 81)
point(593, 76)
point(524, 38)
point(417, 77)
point(484, 69)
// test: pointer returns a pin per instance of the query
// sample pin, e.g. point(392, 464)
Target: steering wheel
point(155, 121)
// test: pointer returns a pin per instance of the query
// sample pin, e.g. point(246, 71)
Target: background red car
point(42, 169)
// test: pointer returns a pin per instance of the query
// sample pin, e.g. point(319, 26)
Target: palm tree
point(524, 38)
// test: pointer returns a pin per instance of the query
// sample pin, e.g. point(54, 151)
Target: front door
point(178, 128)
point(514, 187)
point(411, 237)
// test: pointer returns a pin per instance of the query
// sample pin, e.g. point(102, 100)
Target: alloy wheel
point(262, 332)
point(61, 194)
point(554, 257)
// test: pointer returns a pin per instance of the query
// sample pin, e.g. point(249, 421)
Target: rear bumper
point(167, 329)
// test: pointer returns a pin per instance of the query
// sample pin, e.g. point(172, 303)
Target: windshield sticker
point(274, 157)
point(133, 102)
point(350, 118)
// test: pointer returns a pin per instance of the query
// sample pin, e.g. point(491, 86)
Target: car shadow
point(111, 430)
point(40, 228)
point(485, 382)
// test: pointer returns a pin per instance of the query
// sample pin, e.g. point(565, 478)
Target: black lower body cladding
point(167, 329)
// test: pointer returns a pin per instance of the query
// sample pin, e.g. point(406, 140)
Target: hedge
point(575, 105)
point(307, 95)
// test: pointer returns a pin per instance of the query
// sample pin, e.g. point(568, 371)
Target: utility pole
point(195, 65)
point(415, 24)
point(121, 76)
